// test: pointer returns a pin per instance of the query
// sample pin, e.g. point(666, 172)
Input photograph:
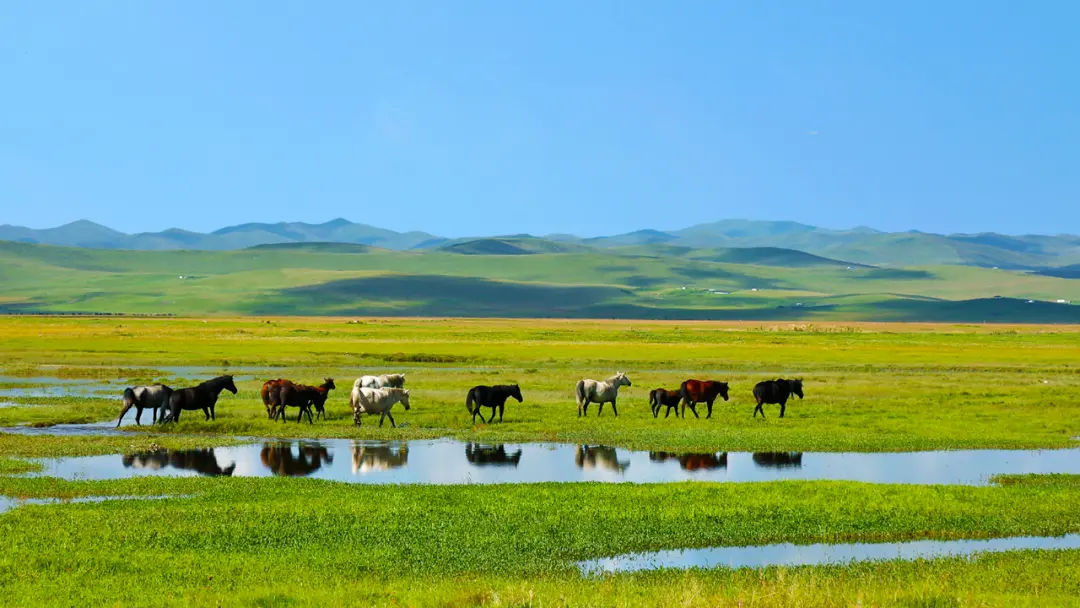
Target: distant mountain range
point(724, 238)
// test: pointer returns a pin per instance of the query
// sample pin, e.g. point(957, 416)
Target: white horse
point(142, 397)
point(372, 401)
point(590, 391)
point(383, 381)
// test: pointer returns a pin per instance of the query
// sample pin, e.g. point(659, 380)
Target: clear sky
point(493, 117)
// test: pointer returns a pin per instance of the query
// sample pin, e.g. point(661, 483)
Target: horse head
point(405, 399)
point(515, 392)
point(328, 383)
point(723, 390)
point(796, 387)
point(228, 384)
point(621, 379)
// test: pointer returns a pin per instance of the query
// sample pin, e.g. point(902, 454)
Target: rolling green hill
point(860, 245)
point(669, 282)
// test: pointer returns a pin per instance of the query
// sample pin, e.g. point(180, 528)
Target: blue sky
point(598, 117)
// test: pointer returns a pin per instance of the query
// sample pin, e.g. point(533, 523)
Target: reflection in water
point(201, 461)
point(442, 462)
point(778, 460)
point(693, 462)
point(280, 458)
point(482, 455)
point(599, 457)
point(368, 458)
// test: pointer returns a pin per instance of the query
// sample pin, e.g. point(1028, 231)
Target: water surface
point(787, 554)
point(456, 462)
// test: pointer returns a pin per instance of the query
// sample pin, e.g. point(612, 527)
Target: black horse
point(659, 397)
point(483, 455)
point(776, 391)
point(202, 397)
point(491, 396)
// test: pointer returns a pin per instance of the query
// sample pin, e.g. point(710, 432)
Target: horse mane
point(216, 381)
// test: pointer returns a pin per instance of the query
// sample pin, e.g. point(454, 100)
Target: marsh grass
point(885, 387)
point(307, 540)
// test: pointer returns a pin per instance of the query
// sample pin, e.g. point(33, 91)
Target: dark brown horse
point(302, 396)
point(696, 391)
point(203, 397)
point(776, 391)
point(659, 397)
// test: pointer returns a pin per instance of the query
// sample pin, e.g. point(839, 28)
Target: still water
point(455, 462)
point(787, 554)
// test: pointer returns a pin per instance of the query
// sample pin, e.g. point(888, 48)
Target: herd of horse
point(377, 395)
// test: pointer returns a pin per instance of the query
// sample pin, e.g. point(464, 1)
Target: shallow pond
point(456, 462)
point(786, 554)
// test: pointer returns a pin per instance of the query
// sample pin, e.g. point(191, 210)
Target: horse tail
point(579, 392)
point(469, 400)
point(654, 398)
point(128, 401)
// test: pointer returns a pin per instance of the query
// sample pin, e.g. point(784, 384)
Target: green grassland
point(869, 387)
point(519, 278)
point(279, 541)
point(305, 542)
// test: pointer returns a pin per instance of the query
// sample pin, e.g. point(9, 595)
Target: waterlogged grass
point(868, 387)
point(238, 541)
point(50, 446)
point(12, 466)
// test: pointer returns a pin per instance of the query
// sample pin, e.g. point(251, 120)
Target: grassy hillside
point(859, 245)
point(344, 279)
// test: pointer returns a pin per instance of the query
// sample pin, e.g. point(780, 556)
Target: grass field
point(277, 541)
point(632, 283)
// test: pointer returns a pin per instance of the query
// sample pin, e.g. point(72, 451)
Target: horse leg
point(709, 404)
point(206, 412)
point(783, 406)
point(600, 409)
point(138, 416)
point(613, 409)
point(500, 412)
point(693, 408)
point(394, 424)
point(356, 417)
point(213, 416)
point(759, 409)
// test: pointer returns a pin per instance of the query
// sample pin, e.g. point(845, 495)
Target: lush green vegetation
point(520, 278)
point(275, 541)
point(280, 541)
point(868, 387)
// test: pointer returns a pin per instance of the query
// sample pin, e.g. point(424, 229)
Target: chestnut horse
point(269, 388)
point(696, 391)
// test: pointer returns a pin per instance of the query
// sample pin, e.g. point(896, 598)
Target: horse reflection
point(368, 458)
point(281, 459)
point(201, 461)
point(483, 455)
point(693, 462)
point(599, 457)
point(779, 460)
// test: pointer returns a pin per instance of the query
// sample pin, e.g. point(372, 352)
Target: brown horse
point(290, 394)
point(696, 391)
point(268, 388)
